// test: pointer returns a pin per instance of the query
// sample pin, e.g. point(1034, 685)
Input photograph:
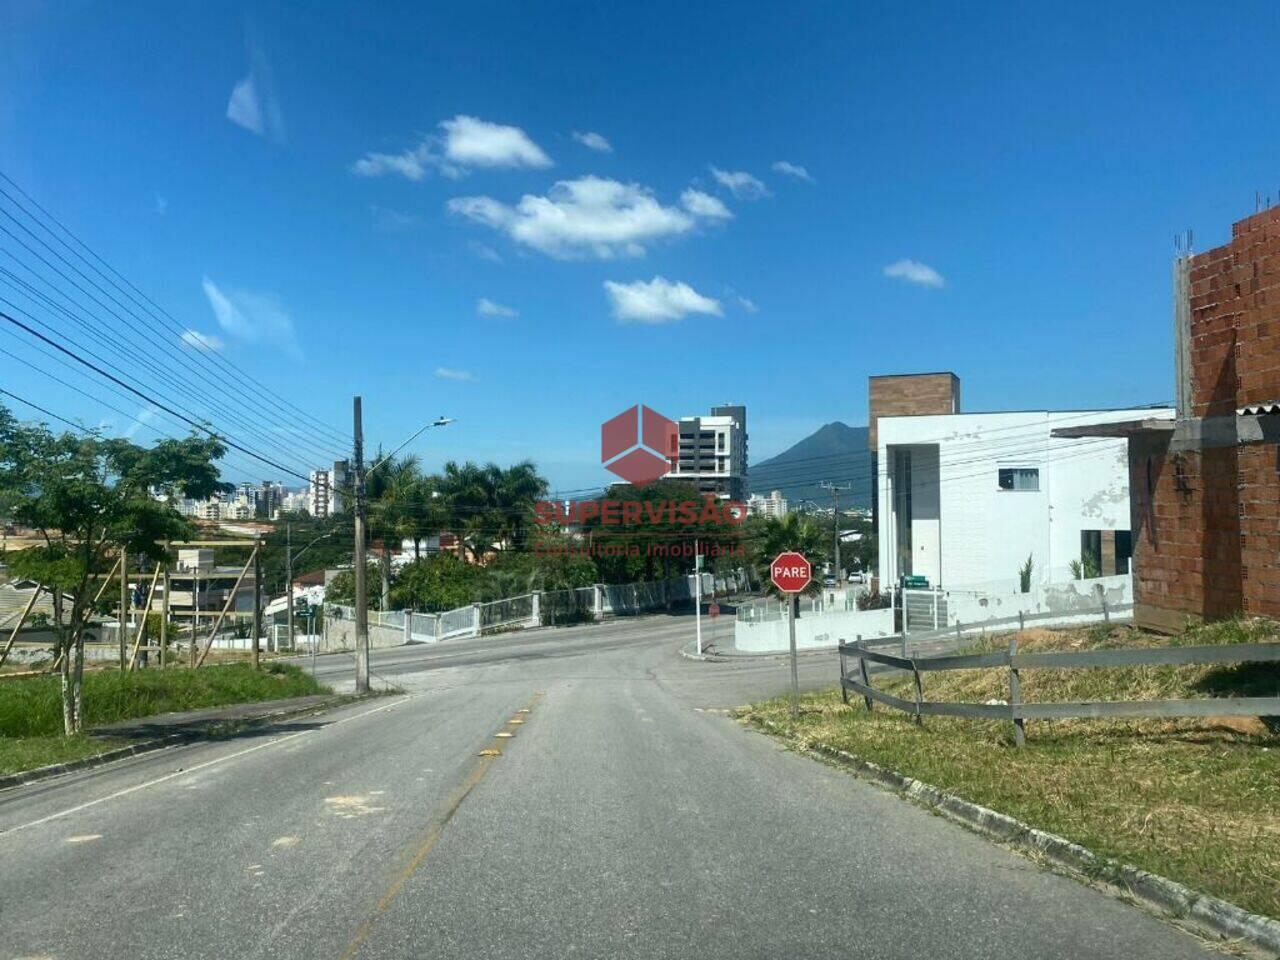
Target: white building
point(712, 452)
point(966, 498)
point(774, 505)
point(324, 496)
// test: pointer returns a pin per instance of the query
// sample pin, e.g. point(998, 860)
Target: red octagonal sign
point(790, 572)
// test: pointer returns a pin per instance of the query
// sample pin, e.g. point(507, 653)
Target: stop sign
point(790, 572)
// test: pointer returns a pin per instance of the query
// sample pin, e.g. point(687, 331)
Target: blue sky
point(332, 192)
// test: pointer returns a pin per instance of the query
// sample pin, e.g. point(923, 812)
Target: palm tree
point(793, 531)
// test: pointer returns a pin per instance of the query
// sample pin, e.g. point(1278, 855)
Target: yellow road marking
point(427, 844)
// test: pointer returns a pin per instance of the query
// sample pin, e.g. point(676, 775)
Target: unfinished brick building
point(1205, 489)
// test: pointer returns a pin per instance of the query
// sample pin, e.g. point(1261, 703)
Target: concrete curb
point(1210, 917)
point(159, 743)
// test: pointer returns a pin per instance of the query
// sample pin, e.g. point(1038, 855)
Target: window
point(1124, 550)
point(1090, 554)
point(1019, 478)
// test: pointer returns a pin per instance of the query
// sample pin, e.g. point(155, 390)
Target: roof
point(1121, 428)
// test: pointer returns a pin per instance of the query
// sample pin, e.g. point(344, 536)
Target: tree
point(794, 531)
point(86, 496)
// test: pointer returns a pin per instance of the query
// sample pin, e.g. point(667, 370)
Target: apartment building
point(324, 493)
point(774, 505)
point(712, 452)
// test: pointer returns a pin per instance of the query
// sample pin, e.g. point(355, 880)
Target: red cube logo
point(639, 445)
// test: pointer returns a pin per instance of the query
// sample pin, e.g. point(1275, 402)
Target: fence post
point(919, 692)
point(535, 617)
point(844, 691)
point(597, 602)
point(1015, 696)
point(1021, 622)
point(935, 609)
point(475, 620)
point(408, 626)
point(1106, 614)
point(866, 680)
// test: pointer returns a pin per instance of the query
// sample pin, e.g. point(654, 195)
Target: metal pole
point(164, 618)
point(697, 593)
point(311, 636)
point(124, 602)
point(195, 609)
point(257, 603)
point(793, 599)
point(288, 579)
point(362, 597)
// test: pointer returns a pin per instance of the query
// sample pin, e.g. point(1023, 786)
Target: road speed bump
point(490, 752)
point(504, 735)
point(516, 720)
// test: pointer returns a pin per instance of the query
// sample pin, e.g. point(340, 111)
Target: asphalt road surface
point(627, 816)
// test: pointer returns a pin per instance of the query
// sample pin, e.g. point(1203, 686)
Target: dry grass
point(1194, 800)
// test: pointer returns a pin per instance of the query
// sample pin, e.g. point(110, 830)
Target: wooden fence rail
point(1017, 711)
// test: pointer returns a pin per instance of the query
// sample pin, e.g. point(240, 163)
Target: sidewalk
point(192, 722)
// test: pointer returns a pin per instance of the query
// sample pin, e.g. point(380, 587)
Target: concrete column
point(535, 618)
point(408, 626)
point(475, 619)
point(598, 604)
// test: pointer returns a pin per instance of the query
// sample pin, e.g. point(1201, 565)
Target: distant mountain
point(835, 452)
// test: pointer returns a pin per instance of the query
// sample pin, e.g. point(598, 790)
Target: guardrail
point(1017, 711)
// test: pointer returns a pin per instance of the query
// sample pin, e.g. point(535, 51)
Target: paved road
point(627, 817)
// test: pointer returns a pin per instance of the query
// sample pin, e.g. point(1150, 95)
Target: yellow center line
point(424, 847)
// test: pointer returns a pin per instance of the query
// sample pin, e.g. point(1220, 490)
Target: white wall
point(813, 630)
point(984, 533)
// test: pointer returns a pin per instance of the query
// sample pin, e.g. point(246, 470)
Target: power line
point(48, 413)
point(150, 306)
point(149, 399)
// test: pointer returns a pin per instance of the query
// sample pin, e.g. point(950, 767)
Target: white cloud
point(740, 183)
point(913, 271)
point(144, 416)
point(258, 318)
point(588, 217)
point(704, 205)
point(253, 104)
point(465, 143)
point(411, 164)
point(161, 205)
point(657, 301)
point(195, 340)
point(593, 141)
point(747, 304)
point(471, 142)
point(449, 373)
point(488, 308)
point(384, 218)
point(485, 252)
point(792, 170)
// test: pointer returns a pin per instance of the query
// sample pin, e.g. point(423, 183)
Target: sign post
point(791, 573)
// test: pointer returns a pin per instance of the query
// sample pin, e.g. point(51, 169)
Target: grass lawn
point(31, 707)
point(1192, 800)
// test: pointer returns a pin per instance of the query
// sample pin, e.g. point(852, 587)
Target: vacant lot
point(31, 707)
point(1194, 800)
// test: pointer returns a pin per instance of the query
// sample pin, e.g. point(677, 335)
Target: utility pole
point(164, 614)
point(257, 601)
point(697, 592)
point(288, 578)
point(124, 601)
point(835, 489)
point(362, 596)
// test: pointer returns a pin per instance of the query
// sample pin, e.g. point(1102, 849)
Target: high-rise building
point(324, 497)
point(712, 452)
point(774, 505)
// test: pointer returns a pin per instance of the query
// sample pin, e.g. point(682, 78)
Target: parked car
point(857, 577)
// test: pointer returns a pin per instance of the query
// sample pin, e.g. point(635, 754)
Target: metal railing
point(1017, 711)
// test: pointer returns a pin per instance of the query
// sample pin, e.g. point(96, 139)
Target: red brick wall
point(1235, 319)
point(1207, 523)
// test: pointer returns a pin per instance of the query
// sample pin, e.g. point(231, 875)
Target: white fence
point(549, 608)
